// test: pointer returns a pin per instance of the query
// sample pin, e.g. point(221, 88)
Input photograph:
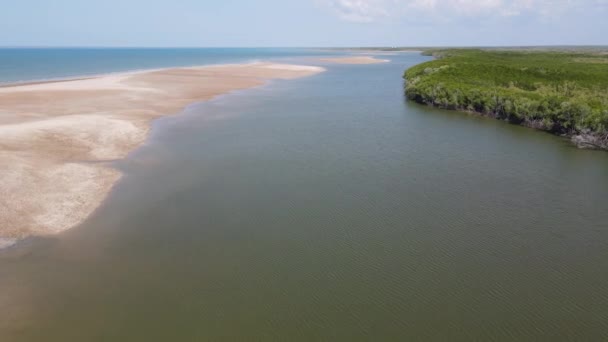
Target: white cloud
point(371, 10)
point(359, 10)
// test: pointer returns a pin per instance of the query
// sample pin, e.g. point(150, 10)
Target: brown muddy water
point(328, 209)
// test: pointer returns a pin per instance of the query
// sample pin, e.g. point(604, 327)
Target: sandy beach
point(355, 60)
point(57, 139)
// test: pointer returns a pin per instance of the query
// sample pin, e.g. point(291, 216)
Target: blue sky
point(303, 22)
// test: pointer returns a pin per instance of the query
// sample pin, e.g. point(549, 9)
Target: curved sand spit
point(56, 138)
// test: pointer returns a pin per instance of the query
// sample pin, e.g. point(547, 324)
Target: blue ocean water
point(30, 64)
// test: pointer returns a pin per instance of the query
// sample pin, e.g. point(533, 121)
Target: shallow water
point(328, 208)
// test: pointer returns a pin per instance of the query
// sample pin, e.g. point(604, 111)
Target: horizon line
point(288, 47)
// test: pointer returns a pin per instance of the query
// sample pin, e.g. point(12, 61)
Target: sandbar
point(58, 139)
point(355, 60)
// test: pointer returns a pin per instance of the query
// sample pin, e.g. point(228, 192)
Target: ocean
point(36, 64)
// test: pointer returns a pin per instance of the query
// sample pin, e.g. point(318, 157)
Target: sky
point(303, 23)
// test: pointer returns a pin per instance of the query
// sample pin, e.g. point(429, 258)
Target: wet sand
point(355, 60)
point(57, 139)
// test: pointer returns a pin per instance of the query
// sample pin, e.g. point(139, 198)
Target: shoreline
point(57, 138)
point(354, 60)
point(545, 107)
point(581, 140)
point(87, 76)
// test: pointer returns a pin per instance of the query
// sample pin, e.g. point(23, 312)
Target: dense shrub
point(562, 92)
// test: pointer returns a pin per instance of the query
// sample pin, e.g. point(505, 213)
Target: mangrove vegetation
point(565, 93)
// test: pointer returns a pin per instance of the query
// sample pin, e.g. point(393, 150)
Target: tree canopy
point(560, 92)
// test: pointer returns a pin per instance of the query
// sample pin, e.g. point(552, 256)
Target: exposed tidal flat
point(57, 138)
point(355, 60)
point(327, 208)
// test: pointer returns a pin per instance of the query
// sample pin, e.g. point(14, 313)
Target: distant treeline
point(564, 93)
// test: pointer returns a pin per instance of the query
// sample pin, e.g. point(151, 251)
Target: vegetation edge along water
point(561, 92)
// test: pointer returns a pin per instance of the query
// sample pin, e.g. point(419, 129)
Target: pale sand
point(4, 243)
point(355, 60)
point(56, 138)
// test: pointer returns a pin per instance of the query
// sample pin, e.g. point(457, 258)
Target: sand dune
point(56, 138)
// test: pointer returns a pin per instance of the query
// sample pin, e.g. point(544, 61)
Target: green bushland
point(564, 93)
